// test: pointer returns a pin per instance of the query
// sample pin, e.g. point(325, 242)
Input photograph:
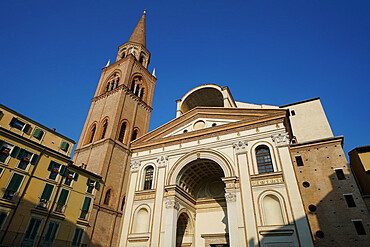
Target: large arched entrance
point(202, 193)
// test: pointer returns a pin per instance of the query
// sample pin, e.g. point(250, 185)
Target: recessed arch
point(276, 208)
point(138, 86)
point(219, 158)
point(122, 132)
point(90, 135)
point(112, 81)
point(108, 196)
point(135, 134)
point(141, 219)
point(103, 127)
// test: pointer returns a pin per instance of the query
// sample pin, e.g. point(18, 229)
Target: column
point(171, 221)
point(232, 218)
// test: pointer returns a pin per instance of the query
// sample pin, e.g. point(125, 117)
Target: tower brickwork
point(119, 113)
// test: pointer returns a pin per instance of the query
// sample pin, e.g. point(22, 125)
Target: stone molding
point(135, 166)
point(162, 161)
point(281, 139)
point(240, 146)
point(230, 197)
point(172, 204)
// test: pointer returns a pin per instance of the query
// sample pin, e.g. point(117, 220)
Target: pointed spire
point(107, 63)
point(153, 74)
point(139, 34)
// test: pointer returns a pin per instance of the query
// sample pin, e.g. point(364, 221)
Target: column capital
point(162, 160)
point(230, 197)
point(171, 203)
point(240, 146)
point(281, 139)
point(135, 165)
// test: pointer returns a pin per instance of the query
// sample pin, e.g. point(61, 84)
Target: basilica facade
point(222, 173)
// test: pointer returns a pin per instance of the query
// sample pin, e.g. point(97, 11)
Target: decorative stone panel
point(281, 139)
point(240, 146)
point(162, 161)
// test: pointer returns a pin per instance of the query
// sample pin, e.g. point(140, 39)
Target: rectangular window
point(349, 199)
point(15, 123)
point(38, 134)
point(359, 227)
point(293, 113)
point(77, 237)
point(61, 203)
point(5, 150)
point(31, 232)
point(299, 160)
point(85, 208)
point(64, 146)
point(340, 174)
point(25, 158)
point(70, 177)
point(50, 234)
point(45, 196)
point(3, 216)
point(54, 170)
point(13, 186)
point(91, 185)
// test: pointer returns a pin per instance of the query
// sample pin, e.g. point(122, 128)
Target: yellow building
point(45, 200)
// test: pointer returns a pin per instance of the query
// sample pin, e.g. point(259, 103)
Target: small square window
point(24, 160)
point(293, 112)
point(299, 161)
point(64, 146)
point(54, 170)
point(38, 134)
point(350, 201)
point(15, 123)
point(340, 174)
point(359, 227)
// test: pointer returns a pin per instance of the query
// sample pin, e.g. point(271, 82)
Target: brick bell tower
point(119, 113)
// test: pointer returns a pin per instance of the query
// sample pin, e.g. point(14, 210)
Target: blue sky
point(270, 52)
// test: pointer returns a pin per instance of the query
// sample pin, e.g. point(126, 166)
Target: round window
point(306, 184)
point(199, 125)
point(312, 208)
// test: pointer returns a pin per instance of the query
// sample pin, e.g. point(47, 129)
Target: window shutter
point(34, 159)
point(75, 177)
point(38, 134)
point(21, 154)
point(63, 197)
point(1, 143)
point(14, 152)
point(88, 181)
point(96, 185)
point(86, 205)
point(47, 192)
point(51, 165)
point(13, 122)
point(15, 182)
point(64, 146)
point(62, 170)
point(26, 128)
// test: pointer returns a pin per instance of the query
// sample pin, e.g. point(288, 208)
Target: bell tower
point(119, 113)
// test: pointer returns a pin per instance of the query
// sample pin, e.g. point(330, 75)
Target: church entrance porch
point(199, 203)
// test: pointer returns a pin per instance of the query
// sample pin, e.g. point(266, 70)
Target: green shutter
point(15, 182)
point(47, 192)
point(64, 146)
point(96, 185)
point(88, 181)
point(21, 154)
point(14, 152)
point(34, 159)
point(86, 205)
point(62, 170)
point(26, 128)
point(75, 177)
point(1, 143)
point(63, 197)
point(13, 121)
point(38, 134)
point(51, 165)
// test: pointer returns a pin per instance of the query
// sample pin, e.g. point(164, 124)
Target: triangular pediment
point(201, 120)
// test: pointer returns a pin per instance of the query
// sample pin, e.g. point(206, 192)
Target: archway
point(202, 193)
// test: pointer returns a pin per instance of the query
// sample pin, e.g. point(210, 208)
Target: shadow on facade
point(29, 224)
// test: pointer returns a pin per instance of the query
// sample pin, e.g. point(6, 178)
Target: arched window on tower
point(141, 93)
point(137, 87)
point(123, 53)
point(134, 135)
point(122, 132)
point(148, 179)
point(107, 196)
point(142, 59)
point(104, 129)
point(112, 82)
point(264, 161)
point(91, 134)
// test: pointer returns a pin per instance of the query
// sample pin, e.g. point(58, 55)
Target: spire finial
point(107, 63)
point(153, 74)
point(144, 11)
point(139, 34)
